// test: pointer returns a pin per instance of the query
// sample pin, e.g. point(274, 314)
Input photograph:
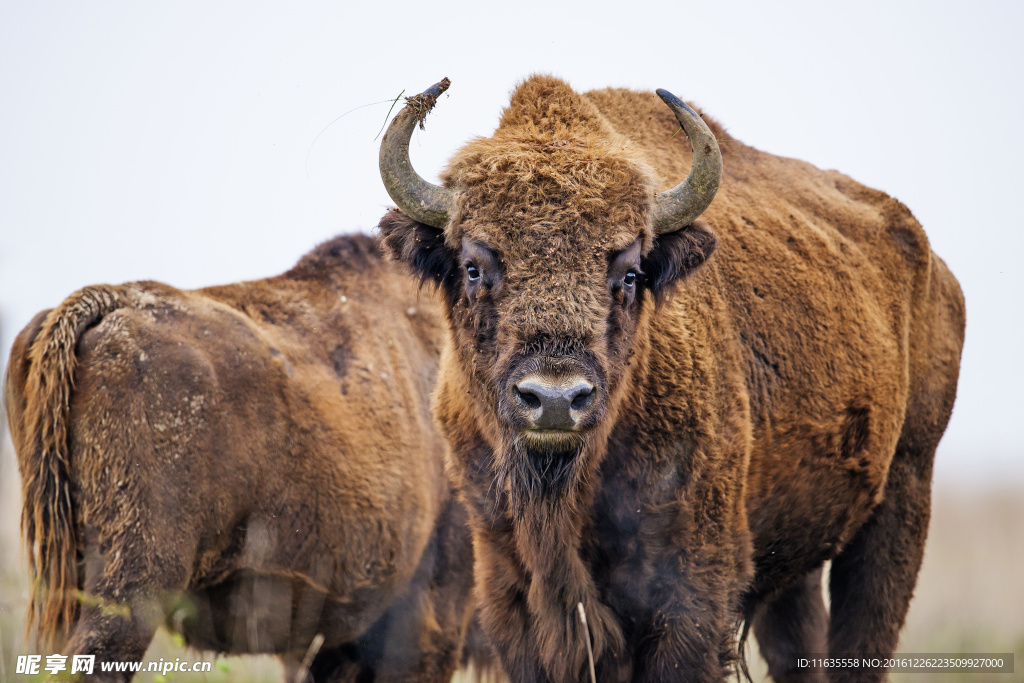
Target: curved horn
point(418, 199)
point(676, 208)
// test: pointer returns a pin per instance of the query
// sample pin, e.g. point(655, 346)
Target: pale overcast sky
point(189, 142)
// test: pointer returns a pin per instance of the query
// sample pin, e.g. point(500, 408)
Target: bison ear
point(419, 246)
point(677, 254)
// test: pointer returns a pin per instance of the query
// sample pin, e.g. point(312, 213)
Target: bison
point(672, 411)
point(255, 464)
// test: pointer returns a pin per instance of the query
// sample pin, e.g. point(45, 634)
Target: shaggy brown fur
point(770, 394)
point(255, 463)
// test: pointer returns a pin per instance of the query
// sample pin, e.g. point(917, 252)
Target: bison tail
point(38, 389)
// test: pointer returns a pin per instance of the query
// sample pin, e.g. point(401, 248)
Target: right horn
point(676, 208)
point(417, 198)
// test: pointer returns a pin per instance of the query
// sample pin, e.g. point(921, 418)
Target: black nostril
point(531, 399)
point(583, 399)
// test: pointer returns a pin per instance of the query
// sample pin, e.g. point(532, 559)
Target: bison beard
point(550, 515)
point(540, 471)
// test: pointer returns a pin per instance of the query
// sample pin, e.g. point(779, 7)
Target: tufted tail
point(40, 379)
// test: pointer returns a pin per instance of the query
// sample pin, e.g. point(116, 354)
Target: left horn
point(417, 198)
point(680, 206)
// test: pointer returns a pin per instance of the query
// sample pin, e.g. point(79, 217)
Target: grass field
point(970, 595)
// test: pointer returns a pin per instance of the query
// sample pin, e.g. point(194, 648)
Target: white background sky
point(175, 141)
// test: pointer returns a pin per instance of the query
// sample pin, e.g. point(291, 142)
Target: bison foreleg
point(790, 624)
point(504, 616)
point(690, 637)
point(690, 634)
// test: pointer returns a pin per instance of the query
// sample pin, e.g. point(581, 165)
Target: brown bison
point(255, 464)
point(677, 422)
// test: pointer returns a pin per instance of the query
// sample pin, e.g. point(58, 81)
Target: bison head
point(551, 248)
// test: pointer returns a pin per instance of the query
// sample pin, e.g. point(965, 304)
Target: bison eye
point(630, 279)
point(472, 272)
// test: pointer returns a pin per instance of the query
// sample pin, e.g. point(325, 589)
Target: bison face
point(551, 248)
point(546, 340)
point(545, 318)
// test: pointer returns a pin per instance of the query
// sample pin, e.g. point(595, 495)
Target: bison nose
point(551, 404)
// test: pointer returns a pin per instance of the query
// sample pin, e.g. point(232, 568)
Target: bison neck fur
point(760, 392)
